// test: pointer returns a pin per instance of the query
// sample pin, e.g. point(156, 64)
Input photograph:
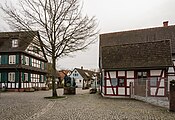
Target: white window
point(25, 76)
point(26, 60)
point(12, 59)
point(0, 59)
point(11, 77)
point(22, 59)
point(15, 43)
point(42, 65)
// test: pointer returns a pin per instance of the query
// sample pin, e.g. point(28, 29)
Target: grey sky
point(119, 15)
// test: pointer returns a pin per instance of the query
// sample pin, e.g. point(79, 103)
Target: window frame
point(114, 80)
point(26, 79)
point(123, 84)
point(15, 43)
point(151, 81)
point(26, 60)
point(12, 59)
point(11, 76)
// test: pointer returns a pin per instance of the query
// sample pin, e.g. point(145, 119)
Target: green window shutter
point(22, 76)
point(24, 60)
point(0, 77)
point(17, 59)
point(4, 59)
point(44, 78)
point(30, 61)
point(17, 76)
point(29, 77)
point(39, 78)
point(4, 76)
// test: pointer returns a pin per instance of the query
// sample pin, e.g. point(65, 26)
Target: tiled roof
point(24, 37)
point(63, 73)
point(86, 74)
point(138, 36)
point(138, 55)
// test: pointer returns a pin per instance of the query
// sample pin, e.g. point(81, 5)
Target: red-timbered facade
point(144, 57)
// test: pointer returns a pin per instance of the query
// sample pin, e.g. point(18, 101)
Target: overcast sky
point(118, 15)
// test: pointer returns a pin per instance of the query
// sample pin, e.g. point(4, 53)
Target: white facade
point(77, 77)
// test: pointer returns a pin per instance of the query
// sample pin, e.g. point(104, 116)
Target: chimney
point(82, 67)
point(165, 24)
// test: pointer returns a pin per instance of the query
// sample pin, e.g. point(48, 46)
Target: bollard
point(172, 96)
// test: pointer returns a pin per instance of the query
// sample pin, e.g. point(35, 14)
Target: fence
point(151, 90)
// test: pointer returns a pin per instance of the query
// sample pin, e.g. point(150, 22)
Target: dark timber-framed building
point(137, 55)
point(22, 62)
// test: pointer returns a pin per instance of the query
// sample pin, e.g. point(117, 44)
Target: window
point(12, 59)
point(114, 81)
point(153, 81)
point(26, 60)
point(35, 77)
point(142, 77)
point(80, 81)
point(42, 65)
point(76, 74)
point(15, 43)
point(121, 82)
point(26, 77)
point(36, 63)
point(0, 59)
point(11, 77)
point(35, 49)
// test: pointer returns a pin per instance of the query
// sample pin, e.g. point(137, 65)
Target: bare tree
point(63, 28)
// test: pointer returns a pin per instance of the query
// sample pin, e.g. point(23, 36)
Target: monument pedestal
point(69, 90)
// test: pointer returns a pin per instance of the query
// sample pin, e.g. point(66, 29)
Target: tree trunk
point(54, 92)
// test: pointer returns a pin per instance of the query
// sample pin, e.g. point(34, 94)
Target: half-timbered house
point(22, 62)
point(136, 56)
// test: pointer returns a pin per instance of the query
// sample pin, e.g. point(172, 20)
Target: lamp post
point(95, 76)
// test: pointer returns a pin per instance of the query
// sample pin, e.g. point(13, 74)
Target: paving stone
point(82, 106)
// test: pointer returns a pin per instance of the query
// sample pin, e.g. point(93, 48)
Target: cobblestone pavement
point(83, 106)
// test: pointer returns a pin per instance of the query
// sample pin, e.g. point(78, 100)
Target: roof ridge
point(133, 30)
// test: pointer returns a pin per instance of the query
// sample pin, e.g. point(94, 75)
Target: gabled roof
point(63, 73)
point(139, 36)
point(86, 74)
point(138, 55)
point(24, 37)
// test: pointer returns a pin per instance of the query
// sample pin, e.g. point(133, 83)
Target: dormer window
point(15, 43)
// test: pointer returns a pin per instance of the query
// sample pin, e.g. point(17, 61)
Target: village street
point(83, 106)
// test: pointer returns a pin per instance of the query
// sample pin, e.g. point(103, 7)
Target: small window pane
point(153, 81)
point(15, 43)
point(11, 77)
point(121, 82)
point(114, 81)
